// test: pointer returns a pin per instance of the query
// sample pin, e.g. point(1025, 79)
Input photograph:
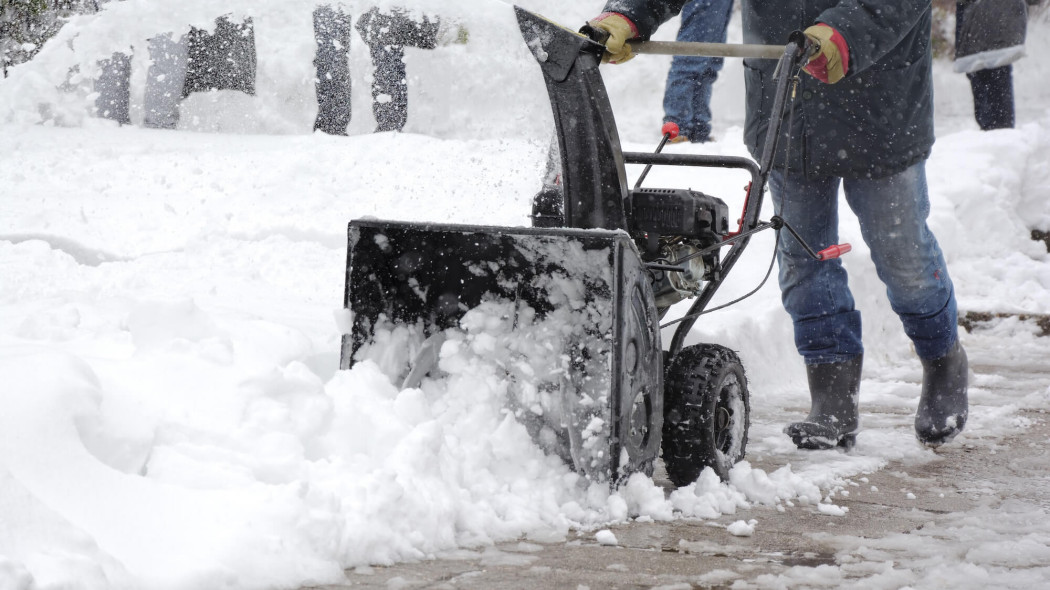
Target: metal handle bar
point(705, 160)
point(696, 49)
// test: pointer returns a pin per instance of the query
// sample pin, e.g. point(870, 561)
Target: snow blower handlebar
point(696, 49)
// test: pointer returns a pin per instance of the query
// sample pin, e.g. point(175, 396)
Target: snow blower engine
point(567, 312)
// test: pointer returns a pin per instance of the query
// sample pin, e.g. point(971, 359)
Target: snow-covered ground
point(171, 414)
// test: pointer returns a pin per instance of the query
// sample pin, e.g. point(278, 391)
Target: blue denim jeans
point(892, 212)
point(687, 96)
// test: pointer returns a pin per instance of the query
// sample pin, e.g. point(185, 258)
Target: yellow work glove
point(620, 29)
point(831, 62)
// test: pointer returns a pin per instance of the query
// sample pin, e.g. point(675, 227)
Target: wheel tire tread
point(692, 385)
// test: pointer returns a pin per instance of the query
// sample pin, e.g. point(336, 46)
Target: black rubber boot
point(943, 405)
point(834, 415)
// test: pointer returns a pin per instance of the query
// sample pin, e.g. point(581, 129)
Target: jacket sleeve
point(872, 28)
point(647, 15)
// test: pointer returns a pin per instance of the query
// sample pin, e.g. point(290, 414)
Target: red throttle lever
point(833, 251)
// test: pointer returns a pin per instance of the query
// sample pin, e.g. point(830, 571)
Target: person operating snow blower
point(866, 122)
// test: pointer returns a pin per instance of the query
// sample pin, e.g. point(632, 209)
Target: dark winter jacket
point(875, 122)
point(989, 33)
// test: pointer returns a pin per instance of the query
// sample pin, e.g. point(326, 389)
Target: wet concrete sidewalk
point(684, 554)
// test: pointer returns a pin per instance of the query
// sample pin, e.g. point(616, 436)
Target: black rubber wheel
point(706, 413)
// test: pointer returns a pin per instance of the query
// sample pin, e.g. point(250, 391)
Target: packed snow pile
point(172, 413)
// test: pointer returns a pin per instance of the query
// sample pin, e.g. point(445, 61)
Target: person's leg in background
point(992, 89)
point(687, 96)
point(224, 59)
point(332, 61)
point(387, 34)
point(114, 89)
point(164, 81)
point(993, 97)
point(389, 87)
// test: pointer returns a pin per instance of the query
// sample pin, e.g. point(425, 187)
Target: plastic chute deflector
point(583, 293)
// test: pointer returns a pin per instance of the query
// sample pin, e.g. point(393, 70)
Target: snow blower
point(581, 292)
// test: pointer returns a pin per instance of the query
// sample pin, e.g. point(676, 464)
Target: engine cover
point(678, 212)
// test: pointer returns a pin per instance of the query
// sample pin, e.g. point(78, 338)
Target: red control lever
point(670, 128)
point(834, 251)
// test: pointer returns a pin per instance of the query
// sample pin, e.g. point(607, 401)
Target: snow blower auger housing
point(585, 368)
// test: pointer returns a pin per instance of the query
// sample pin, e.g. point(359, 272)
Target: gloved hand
point(832, 61)
point(620, 29)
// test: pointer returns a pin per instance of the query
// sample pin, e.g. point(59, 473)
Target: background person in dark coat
point(864, 121)
point(989, 36)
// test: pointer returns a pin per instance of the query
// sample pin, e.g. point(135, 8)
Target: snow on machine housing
point(583, 290)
